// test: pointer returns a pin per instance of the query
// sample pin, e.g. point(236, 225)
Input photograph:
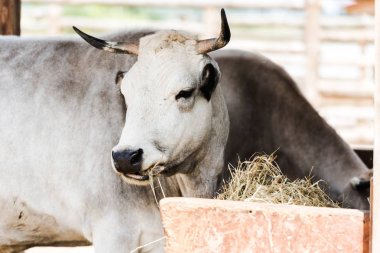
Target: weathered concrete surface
point(204, 225)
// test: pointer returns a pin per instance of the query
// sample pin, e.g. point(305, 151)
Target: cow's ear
point(119, 77)
point(209, 80)
point(362, 183)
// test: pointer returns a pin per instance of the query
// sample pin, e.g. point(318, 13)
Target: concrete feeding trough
point(204, 225)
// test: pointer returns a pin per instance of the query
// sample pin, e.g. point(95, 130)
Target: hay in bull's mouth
point(152, 175)
point(261, 180)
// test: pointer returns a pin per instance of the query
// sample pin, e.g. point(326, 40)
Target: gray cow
point(268, 113)
point(62, 115)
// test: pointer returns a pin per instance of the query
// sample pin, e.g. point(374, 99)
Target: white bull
point(57, 187)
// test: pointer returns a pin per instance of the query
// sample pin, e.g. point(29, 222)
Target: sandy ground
point(61, 250)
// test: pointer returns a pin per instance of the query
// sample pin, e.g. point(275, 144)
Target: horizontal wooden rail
point(182, 3)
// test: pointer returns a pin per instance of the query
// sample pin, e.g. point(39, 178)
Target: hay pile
point(261, 180)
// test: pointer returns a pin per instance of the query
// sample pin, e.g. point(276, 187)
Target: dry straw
point(261, 180)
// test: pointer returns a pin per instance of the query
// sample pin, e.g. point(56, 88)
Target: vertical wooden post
point(10, 11)
point(370, 213)
point(312, 44)
point(376, 170)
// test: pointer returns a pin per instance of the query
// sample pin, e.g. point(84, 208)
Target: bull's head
point(176, 116)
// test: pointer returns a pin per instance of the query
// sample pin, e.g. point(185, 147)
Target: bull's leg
point(120, 235)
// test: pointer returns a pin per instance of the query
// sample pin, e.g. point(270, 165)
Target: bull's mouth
point(142, 178)
point(137, 176)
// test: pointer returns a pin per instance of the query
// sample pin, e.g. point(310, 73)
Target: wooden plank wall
point(10, 11)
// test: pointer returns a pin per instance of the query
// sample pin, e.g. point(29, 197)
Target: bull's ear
point(362, 183)
point(210, 78)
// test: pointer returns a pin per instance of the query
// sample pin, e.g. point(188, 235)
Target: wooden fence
point(330, 56)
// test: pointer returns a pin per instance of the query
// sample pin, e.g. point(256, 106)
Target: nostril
point(116, 155)
point(134, 160)
point(136, 157)
point(115, 160)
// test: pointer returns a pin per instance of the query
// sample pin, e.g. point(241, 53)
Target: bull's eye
point(184, 94)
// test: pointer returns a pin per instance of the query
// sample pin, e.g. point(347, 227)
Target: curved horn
point(206, 46)
point(114, 47)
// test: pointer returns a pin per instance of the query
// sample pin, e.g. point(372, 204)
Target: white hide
point(154, 115)
point(62, 115)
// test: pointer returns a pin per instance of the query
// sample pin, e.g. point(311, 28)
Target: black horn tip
point(226, 33)
point(222, 12)
point(206, 46)
point(95, 42)
point(80, 33)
